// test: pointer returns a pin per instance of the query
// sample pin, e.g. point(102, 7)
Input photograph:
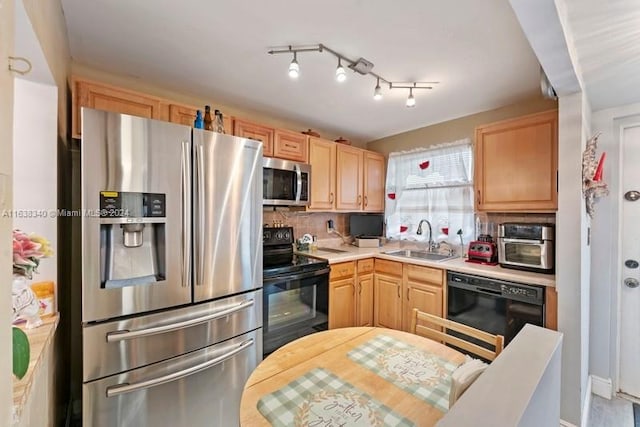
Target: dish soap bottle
point(198, 123)
point(314, 244)
point(208, 122)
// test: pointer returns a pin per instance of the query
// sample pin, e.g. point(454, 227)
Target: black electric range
point(295, 291)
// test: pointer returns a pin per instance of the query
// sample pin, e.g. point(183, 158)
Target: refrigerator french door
point(135, 176)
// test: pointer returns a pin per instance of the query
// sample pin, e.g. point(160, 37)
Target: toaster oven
point(527, 247)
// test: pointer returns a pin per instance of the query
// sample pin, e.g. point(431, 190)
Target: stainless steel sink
point(331, 250)
point(418, 254)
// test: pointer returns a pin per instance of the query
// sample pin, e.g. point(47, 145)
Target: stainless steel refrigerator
point(171, 271)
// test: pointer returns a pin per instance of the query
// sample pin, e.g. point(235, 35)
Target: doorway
point(629, 294)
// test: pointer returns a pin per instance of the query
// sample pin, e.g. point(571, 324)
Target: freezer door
point(227, 224)
point(135, 215)
point(202, 388)
point(114, 347)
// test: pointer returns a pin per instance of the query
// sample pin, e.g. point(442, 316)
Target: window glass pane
point(436, 185)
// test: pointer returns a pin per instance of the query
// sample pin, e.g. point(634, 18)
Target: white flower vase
point(25, 303)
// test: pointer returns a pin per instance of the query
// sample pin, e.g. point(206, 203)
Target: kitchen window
point(435, 184)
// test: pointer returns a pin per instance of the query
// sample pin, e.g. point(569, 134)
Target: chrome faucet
point(419, 232)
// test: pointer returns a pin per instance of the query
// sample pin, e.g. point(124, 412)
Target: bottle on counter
point(219, 125)
point(198, 123)
point(208, 121)
point(314, 244)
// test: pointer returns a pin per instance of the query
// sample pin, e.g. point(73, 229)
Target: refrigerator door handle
point(199, 152)
point(126, 334)
point(186, 214)
point(299, 181)
point(128, 388)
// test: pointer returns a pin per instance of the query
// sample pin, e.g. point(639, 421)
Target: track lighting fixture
point(294, 68)
point(411, 100)
point(361, 66)
point(341, 75)
point(377, 93)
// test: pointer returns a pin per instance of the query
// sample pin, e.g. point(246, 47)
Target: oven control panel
point(277, 235)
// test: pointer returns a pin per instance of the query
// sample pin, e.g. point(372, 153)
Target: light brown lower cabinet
point(423, 289)
point(387, 285)
point(364, 293)
point(351, 294)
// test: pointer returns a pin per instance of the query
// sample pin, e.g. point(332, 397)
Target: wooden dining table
point(342, 376)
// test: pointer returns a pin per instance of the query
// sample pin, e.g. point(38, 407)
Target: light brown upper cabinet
point(322, 158)
point(374, 180)
point(291, 145)
point(186, 115)
point(516, 164)
point(349, 178)
point(258, 132)
point(345, 178)
point(87, 93)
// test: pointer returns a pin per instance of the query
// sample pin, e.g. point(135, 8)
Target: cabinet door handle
point(359, 288)
point(359, 198)
point(407, 294)
point(330, 197)
point(479, 198)
point(399, 292)
point(366, 201)
point(290, 146)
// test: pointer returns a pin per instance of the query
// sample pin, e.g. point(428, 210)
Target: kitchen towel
point(425, 375)
point(320, 398)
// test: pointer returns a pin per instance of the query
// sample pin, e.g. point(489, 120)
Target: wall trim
point(602, 387)
point(586, 409)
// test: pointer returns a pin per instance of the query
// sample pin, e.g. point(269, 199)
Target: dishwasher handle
point(126, 334)
point(128, 388)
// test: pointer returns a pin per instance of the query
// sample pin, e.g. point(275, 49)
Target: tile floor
point(616, 412)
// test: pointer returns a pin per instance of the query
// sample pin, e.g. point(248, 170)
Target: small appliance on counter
point(483, 251)
point(527, 247)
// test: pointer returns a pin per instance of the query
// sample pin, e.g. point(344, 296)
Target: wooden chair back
point(430, 326)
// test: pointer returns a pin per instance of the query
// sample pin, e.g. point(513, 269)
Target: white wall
point(6, 165)
point(573, 255)
point(35, 172)
point(508, 395)
point(605, 270)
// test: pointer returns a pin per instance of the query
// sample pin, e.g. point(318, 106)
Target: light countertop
point(353, 253)
point(40, 339)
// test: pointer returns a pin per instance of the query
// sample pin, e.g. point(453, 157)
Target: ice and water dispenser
point(132, 238)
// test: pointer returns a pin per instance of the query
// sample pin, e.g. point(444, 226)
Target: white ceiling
point(218, 50)
point(606, 36)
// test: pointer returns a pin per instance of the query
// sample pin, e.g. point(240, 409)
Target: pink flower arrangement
point(27, 252)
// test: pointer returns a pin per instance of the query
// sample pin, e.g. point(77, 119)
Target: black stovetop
point(297, 264)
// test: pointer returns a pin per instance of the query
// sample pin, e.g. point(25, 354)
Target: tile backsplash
point(497, 218)
point(314, 223)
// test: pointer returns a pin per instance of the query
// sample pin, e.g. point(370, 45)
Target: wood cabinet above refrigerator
point(516, 164)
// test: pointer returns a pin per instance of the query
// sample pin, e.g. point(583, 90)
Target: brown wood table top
point(328, 350)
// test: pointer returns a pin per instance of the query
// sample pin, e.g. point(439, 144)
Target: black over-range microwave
point(285, 183)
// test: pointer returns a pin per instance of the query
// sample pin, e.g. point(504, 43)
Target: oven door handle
point(128, 388)
point(524, 241)
point(296, 276)
point(126, 334)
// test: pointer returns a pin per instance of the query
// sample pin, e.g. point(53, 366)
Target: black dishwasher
point(495, 306)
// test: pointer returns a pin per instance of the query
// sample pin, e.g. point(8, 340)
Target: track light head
point(294, 68)
point(377, 93)
point(341, 74)
point(411, 101)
